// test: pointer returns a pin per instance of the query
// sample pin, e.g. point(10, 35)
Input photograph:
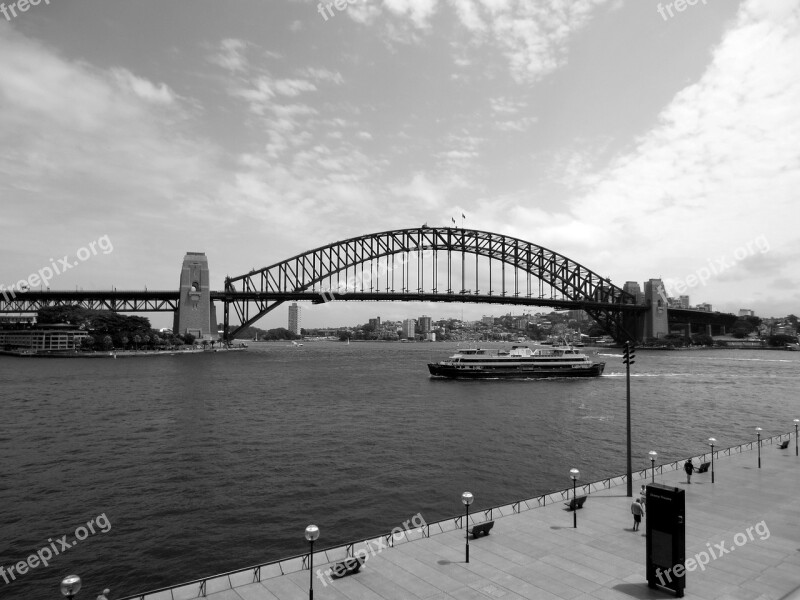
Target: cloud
point(81, 143)
point(722, 163)
point(533, 37)
point(418, 11)
point(231, 55)
point(146, 90)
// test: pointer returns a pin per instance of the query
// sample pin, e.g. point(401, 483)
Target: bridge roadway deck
point(537, 554)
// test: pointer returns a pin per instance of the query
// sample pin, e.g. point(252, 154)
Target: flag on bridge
point(462, 216)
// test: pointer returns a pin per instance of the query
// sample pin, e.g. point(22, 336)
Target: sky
point(636, 139)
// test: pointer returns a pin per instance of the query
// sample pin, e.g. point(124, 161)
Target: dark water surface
point(207, 463)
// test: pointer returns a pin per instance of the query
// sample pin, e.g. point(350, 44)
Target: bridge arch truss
point(431, 264)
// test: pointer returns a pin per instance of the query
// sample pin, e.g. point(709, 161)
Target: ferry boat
point(519, 363)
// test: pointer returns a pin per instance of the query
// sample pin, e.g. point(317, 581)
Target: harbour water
point(206, 463)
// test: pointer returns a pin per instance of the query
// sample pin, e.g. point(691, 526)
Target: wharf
point(537, 554)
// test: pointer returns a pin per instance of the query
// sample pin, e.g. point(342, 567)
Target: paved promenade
point(537, 554)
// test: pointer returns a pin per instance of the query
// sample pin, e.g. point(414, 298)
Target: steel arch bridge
point(432, 264)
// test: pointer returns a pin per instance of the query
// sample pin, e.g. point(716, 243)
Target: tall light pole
point(628, 355)
point(70, 585)
point(467, 499)
point(312, 533)
point(574, 473)
point(796, 423)
point(711, 442)
point(653, 454)
point(758, 433)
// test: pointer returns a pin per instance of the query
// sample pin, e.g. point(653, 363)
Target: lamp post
point(70, 585)
point(312, 533)
point(653, 454)
point(758, 433)
point(628, 354)
point(467, 499)
point(574, 473)
point(796, 422)
point(711, 442)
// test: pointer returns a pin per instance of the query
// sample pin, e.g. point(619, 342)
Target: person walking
point(638, 512)
point(643, 495)
point(688, 466)
point(104, 595)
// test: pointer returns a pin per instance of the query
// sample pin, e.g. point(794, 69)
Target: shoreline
point(113, 354)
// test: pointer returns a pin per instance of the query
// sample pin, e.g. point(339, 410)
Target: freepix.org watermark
point(715, 267)
point(678, 5)
point(339, 5)
point(99, 524)
point(10, 11)
point(713, 552)
point(45, 274)
point(363, 554)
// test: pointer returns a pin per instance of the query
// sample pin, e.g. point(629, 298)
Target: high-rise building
point(408, 329)
point(632, 287)
point(294, 318)
point(746, 312)
point(656, 322)
point(684, 302)
point(375, 323)
point(424, 324)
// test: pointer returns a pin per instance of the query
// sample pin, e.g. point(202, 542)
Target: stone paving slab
point(537, 554)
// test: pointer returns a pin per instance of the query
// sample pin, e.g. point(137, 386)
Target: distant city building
point(424, 324)
point(746, 312)
point(294, 318)
point(683, 302)
point(656, 324)
point(375, 323)
point(704, 306)
point(521, 322)
point(17, 320)
point(632, 287)
point(49, 339)
point(579, 315)
point(408, 329)
point(487, 321)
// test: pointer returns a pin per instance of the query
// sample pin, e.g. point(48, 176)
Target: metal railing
point(299, 562)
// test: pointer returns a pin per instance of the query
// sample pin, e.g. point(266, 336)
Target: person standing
point(638, 512)
point(643, 495)
point(688, 466)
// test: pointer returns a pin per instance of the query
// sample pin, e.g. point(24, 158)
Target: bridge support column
point(634, 323)
point(196, 313)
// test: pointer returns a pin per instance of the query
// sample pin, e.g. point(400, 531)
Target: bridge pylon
point(196, 313)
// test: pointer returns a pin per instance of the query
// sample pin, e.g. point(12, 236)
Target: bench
point(703, 468)
point(576, 503)
point(480, 528)
point(347, 567)
point(784, 445)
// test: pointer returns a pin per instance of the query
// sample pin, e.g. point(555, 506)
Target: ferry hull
point(515, 372)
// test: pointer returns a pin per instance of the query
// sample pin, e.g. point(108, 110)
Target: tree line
point(108, 330)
